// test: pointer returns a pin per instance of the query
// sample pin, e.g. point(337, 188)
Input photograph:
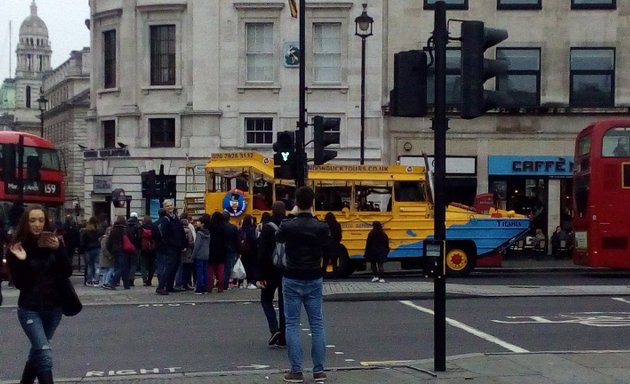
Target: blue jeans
point(230, 259)
point(201, 271)
point(308, 293)
point(39, 327)
point(106, 273)
point(91, 260)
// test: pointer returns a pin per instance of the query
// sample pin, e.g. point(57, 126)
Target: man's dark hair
point(278, 209)
point(304, 197)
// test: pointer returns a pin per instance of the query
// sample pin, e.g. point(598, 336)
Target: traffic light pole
point(440, 125)
point(300, 167)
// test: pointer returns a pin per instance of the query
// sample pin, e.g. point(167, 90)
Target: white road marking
point(621, 299)
point(469, 329)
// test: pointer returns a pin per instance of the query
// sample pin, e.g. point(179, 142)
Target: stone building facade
point(174, 81)
point(67, 89)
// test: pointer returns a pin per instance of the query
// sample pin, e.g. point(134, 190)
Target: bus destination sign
point(34, 188)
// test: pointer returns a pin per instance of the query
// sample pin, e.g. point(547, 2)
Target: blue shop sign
point(552, 166)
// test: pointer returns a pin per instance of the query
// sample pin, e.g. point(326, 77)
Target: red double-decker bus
point(30, 174)
point(601, 189)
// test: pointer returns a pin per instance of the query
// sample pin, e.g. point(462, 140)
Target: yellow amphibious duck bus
point(397, 196)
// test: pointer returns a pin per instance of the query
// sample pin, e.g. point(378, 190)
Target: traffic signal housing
point(325, 132)
point(284, 164)
point(409, 96)
point(475, 69)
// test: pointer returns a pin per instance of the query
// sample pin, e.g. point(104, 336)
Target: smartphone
point(43, 238)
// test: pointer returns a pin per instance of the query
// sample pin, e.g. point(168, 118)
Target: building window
point(109, 57)
point(519, 4)
point(453, 79)
point(109, 133)
point(593, 4)
point(450, 4)
point(592, 77)
point(522, 80)
point(259, 51)
point(258, 130)
point(27, 96)
point(327, 52)
point(163, 55)
point(162, 133)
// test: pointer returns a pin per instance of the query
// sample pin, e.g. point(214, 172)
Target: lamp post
point(41, 101)
point(363, 29)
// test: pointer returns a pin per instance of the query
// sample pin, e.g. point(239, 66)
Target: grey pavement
point(599, 367)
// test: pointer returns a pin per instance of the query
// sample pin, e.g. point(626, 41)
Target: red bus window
point(615, 142)
point(625, 175)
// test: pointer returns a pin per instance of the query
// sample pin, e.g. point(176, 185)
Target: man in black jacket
point(172, 241)
point(302, 284)
point(270, 277)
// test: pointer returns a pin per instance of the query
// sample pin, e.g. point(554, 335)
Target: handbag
point(70, 303)
point(127, 245)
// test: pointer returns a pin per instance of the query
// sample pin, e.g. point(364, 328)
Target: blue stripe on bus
point(487, 234)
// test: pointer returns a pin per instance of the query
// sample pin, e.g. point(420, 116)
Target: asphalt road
point(128, 339)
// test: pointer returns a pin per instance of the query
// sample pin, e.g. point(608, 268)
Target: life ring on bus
point(460, 259)
point(234, 202)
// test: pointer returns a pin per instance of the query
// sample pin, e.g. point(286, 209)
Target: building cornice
point(240, 5)
point(106, 14)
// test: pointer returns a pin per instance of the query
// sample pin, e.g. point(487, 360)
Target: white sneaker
point(374, 279)
point(252, 286)
point(381, 280)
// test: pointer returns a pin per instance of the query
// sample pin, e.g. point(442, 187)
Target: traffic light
point(409, 96)
point(325, 132)
point(475, 69)
point(148, 183)
point(170, 187)
point(284, 156)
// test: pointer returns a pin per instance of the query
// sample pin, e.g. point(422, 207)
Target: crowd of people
point(186, 256)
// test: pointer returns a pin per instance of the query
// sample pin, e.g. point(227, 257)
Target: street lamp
point(363, 29)
point(41, 101)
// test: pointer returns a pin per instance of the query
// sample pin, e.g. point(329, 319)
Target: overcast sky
point(65, 20)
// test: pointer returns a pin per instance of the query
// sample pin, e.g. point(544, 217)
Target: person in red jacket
point(38, 261)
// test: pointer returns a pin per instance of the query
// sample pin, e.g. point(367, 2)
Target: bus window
point(373, 198)
point(408, 191)
point(285, 192)
point(331, 196)
point(615, 142)
point(584, 146)
point(263, 192)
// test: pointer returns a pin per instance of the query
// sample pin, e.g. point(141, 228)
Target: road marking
point(469, 329)
point(252, 366)
point(621, 299)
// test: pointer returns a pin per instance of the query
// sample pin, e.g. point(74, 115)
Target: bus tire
point(460, 259)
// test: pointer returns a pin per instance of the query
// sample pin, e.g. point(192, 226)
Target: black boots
point(45, 377)
point(29, 374)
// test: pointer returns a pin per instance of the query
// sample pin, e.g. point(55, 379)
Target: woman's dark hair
point(376, 225)
point(330, 218)
point(92, 224)
point(22, 229)
point(248, 221)
point(120, 220)
point(304, 197)
point(217, 218)
point(205, 220)
point(147, 220)
point(265, 218)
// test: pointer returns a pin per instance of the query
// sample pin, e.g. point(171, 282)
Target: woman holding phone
point(37, 261)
